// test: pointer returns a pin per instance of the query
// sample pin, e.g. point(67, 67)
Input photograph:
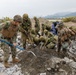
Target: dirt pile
point(37, 61)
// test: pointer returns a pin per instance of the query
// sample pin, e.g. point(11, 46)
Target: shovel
point(20, 48)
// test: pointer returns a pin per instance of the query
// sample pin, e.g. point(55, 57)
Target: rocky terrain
point(36, 61)
point(48, 62)
point(42, 62)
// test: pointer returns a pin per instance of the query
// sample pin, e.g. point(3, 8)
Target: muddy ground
point(36, 61)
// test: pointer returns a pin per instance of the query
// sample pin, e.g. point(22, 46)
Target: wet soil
point(40, 61)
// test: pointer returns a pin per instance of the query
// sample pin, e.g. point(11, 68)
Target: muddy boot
point(64, 53)
point(6, 64)
point(1, 60)
point(58, 54)
point(52, 70)
point(15, 60)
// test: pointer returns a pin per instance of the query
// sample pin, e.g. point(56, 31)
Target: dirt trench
point(35, 61)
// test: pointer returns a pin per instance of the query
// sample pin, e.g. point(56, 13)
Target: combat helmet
point(17, 18)
point(46, 32)
point(25, 16)
point(35, 17)
point(33, 31)
point(48, 27)
point(60, 24)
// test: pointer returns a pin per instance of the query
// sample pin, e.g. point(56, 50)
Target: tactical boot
point(1, 60)
point(6, 64)
point(15, 60)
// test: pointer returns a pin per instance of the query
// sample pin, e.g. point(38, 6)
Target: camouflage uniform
point(9, 33)
point(37, 26)
point(63, 40)
point(48, 27)
point(51, 42)
point(73, 33)
point(25, 29)
point(6, 50)
point(43, 28)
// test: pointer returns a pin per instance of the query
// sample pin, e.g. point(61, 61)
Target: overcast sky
point(38, 8)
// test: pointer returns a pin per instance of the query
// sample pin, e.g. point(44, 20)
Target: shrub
point(69, 19)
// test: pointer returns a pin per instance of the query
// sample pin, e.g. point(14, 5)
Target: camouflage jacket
point(26, 25)
point(9, 30)
point(37, 25)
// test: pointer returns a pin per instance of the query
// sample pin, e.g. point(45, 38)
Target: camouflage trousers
point(26, 39)
point(65, 45)
point(6, 48)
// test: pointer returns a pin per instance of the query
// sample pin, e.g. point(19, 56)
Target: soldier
point(25, 29)
point(51, 41)
point(73, 32)
point(37, 26)
point(43, 28)
point(59, 27)
point(53, 29)
point(48, 27)
point(9, 32)
point(63, 40)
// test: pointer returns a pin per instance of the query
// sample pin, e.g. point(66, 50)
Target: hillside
point(61, 15)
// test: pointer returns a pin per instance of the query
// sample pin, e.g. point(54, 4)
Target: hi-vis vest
point(9, 30)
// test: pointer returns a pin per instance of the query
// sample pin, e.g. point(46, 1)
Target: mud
point(37, 64)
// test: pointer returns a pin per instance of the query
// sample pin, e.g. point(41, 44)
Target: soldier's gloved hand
point(15, 44)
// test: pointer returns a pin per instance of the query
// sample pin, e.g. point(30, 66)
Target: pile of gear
point(45, 39)
point(48, 40)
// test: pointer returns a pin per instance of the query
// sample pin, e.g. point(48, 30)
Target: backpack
point(8, 30)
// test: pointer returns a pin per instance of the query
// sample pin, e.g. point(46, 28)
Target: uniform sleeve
point(30, 24)
point(21, 29)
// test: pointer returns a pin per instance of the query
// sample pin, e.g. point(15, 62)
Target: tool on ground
point(20, 48)
point(2, 40)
